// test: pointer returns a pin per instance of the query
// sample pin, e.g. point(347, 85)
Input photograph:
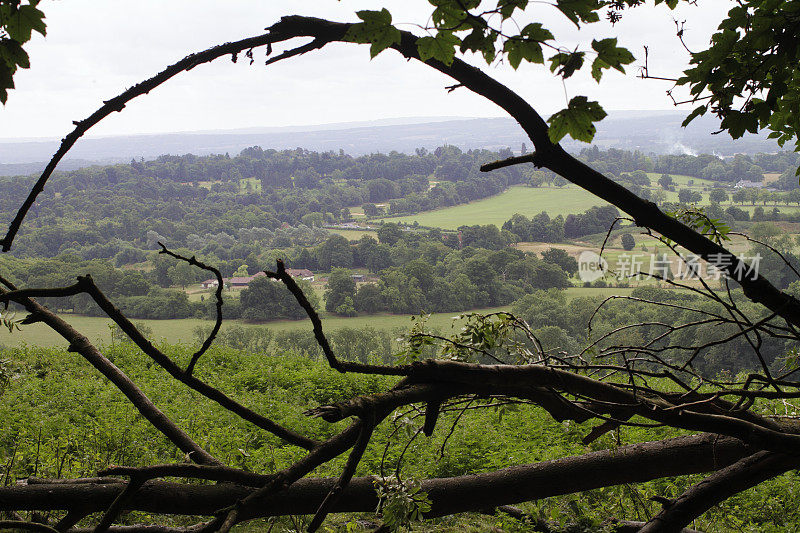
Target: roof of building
point(299, 272)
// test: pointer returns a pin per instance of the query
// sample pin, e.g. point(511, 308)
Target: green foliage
point(441, 47)
point(565, 64)
point(697, 219)
point(609, 55)
point(341, 286)
point(377, 30)
point(418, 343)
point(577, 120)
point(753, 55)
point(529, 48)
point(18, 21)
point(482, 338)
point(402, 502)
point(60, 417)
point(265, 299)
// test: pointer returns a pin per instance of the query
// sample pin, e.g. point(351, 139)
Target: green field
point(555, 201)
point(497, 209)
point(254, 183)
point(353, 234)
point(182, 330)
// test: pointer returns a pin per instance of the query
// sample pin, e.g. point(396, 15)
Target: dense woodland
point(241, 213)
point(195, 201)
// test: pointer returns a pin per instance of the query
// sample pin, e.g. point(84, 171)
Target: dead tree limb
point(627, 464)
point(721, 485)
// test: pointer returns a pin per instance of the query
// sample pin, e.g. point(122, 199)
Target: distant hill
point(648, 131)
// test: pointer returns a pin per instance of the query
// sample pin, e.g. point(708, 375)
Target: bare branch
point(718, 487)
point(217, 294)
point(626, 464)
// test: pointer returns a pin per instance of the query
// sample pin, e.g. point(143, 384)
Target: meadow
point(353, 234)
point(98, 329)
point(497, 209)
point(554, 201)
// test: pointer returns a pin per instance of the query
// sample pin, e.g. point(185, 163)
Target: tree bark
point(718, 487)
point(635, 463)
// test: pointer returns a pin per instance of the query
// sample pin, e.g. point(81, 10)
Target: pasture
point(497, 209)
point(554, 201)
point(98, 329)
point(353, 234)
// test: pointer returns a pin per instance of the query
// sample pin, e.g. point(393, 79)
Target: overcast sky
point(94, 50)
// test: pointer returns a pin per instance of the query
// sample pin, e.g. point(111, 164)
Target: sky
point(95, 50)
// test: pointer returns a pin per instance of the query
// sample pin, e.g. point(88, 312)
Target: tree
point(182, 274)
point(658, 197)
point(264, 300)
point(335, 252)
point(744, 447)
point(718, 196)
point(389, 233)
point(689, 196)
point(241, 272)
point(371, 210)
point(561, 258)
point(665, 181)
point(340, 287)
point(627, 242)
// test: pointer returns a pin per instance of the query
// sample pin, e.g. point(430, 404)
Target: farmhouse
point(746, 184)
point(302, 273)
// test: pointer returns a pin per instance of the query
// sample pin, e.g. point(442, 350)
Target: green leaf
point(376, 29)
point(12, 53)
point(737, 123)
point(6, 82)
point(451, 14)
point(442, 47)
point(480, 41)
point(609, 55)
point(580, 10)
point(697, 112)
point(527, 45)
point(518, 50)
point(576, 120)
point(21, 21)
point(507, 7)
point(566, 63)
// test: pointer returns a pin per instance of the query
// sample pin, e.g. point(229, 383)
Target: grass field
point(497, 209)
point(176, 331)
point(255, 185)
point(182, 330)
point(354, 234)
point(555, 201)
